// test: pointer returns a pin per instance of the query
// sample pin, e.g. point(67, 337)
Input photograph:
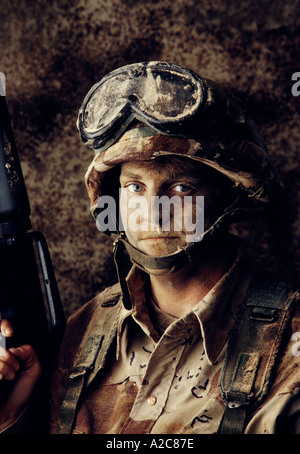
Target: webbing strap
point(69, 405)
point(89, 360)
point(233, 420)
point(252, 350)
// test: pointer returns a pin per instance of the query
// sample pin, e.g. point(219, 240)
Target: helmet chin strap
point(172, 262)
point(167, 264)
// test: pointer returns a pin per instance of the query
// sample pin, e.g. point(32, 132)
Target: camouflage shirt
point(162, 374)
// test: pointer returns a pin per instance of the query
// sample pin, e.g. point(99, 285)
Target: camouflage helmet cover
point(211, 126)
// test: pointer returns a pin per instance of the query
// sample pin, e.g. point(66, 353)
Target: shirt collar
point(215, 313)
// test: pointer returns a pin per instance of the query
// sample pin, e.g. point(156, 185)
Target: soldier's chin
point(160, 247)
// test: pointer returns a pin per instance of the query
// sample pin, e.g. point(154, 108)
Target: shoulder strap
point(252, 349)
point(90, 358)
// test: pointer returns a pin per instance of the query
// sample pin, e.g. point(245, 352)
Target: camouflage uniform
point(151, 373)
point(162, 374)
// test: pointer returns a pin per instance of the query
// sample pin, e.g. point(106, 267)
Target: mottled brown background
point(53, 52)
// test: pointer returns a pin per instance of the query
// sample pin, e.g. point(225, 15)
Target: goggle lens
point(145, 91)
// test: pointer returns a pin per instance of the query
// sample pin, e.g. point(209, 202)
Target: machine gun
point(34, 309)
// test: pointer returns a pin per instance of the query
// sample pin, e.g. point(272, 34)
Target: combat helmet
point(212, 126)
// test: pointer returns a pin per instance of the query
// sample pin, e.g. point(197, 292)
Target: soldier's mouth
point(159, 238)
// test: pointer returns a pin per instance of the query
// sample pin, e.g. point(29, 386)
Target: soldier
point(191, 341)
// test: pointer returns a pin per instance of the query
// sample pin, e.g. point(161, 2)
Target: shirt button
point(152, 400)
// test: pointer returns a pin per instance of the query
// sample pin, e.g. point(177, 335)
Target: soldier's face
point(162, 209)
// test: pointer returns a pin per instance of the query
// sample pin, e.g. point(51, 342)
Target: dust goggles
point(169, 98)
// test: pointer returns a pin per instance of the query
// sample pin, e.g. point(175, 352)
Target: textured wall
point(53, 52)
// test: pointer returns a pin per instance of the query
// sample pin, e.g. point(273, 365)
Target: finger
point(9, 364)
point(6, 371)
point(6, 328)
point(25, 383)
point(27, 355)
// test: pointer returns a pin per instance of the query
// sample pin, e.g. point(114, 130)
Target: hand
point(21, 367)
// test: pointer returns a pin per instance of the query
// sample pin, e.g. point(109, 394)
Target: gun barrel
point(14, 202)
point(24, 257)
